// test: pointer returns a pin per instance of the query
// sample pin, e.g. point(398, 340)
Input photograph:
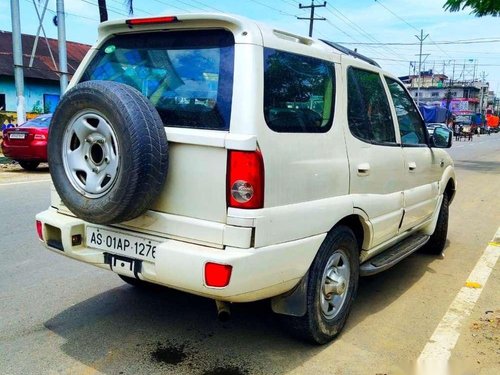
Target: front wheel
point(332, 286)
point(437, 241)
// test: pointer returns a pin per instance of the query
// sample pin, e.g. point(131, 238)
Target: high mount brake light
point(151, 20)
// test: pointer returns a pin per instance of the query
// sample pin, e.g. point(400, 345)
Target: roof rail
point(350, 52)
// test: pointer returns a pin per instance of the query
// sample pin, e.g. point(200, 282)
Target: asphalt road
point(58, 316)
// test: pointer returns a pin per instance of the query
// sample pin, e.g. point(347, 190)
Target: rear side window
point(368, 111)
point(187, 75)
point(411, 125)
point(298, 92)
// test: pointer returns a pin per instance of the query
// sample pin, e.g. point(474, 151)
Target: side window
point(410, 122)
point(368, 111)
point(298, 92)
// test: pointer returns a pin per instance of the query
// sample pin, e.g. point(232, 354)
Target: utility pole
point(311, 18)
point(482, 88)
point(17, 52)
point(61, 43)
point(421, 39)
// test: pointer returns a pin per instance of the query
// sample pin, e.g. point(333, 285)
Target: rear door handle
point(364, 169)
point(412, 165)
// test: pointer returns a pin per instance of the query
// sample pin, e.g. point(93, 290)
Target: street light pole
point(61, 42)
point(17, 52)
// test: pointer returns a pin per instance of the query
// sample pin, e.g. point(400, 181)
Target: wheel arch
point(450, 189)
point(359, 224)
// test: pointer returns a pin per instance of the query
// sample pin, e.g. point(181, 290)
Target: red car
point(27, 144)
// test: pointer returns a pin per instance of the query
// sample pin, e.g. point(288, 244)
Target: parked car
point(27, 144)
point(191, 159)
point(432, 125)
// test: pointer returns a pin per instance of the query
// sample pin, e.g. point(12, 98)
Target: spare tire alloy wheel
point(90, 154)
point(107, 151)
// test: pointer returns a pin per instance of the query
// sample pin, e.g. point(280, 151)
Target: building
point(461, 97)
point(41, 81)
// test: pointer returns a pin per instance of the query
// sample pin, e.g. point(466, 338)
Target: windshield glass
point(187, 75)
point(38, 122)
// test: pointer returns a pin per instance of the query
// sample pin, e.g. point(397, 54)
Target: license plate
point(17, 136)
point(122, 244)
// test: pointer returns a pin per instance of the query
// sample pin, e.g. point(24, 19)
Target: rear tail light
point(151, 20)
point(217, 275)
point(39, 137)
point(39, 229)
point(245, 179)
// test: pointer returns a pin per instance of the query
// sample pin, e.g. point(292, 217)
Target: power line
point(406, 22)
point(208, 6)
point(444, 42)
point(350, 23)
point(273, 8)
point(173, 6)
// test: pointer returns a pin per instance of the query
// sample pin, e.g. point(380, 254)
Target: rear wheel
point(29, 165)
point(332, 285)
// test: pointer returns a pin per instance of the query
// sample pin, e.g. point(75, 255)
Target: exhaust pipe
point(223, 310)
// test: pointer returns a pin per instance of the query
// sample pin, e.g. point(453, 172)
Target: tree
point(103, 9)
point(479, 7)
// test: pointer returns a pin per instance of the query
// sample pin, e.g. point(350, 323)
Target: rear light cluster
point(39, 229)
point(245, 179)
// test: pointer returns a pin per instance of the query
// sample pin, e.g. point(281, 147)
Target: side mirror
point(441, 138)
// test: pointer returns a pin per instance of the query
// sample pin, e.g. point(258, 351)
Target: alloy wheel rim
point(90, 154)
point(334, 284)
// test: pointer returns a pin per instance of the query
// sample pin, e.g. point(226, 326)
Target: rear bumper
point(35, 152)
point(257, 273)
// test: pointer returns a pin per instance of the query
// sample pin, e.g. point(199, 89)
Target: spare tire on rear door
point(107, 152)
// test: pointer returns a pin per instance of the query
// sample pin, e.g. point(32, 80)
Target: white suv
point(295, 166)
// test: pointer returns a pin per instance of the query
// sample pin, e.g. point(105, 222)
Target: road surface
point(58, 316)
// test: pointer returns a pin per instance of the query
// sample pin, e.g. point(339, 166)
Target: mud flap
point(294, 302)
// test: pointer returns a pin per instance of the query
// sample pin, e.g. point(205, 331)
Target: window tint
point(368, 110)
point(187, 75)
point(411, 126)
point(298, 92)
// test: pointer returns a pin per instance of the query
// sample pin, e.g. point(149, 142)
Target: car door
point(375, 157)
point(421, 169)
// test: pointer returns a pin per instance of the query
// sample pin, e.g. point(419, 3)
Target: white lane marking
point(23, 182)
point(438, 349)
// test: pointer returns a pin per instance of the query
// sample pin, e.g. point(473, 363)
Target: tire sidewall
point(134, 187)
point(80, 104)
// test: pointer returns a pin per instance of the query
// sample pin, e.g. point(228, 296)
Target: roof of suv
point(244, 29)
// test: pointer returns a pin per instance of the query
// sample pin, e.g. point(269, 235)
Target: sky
point(452, 41)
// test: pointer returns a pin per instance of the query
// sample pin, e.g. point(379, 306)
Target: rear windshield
point(38, 122)
point(187, 75)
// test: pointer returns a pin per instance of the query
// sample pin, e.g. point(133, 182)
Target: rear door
point(188, 76)
point(375, 157)
point(421, 169)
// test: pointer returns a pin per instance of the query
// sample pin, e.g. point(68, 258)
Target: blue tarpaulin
point(433, 113)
